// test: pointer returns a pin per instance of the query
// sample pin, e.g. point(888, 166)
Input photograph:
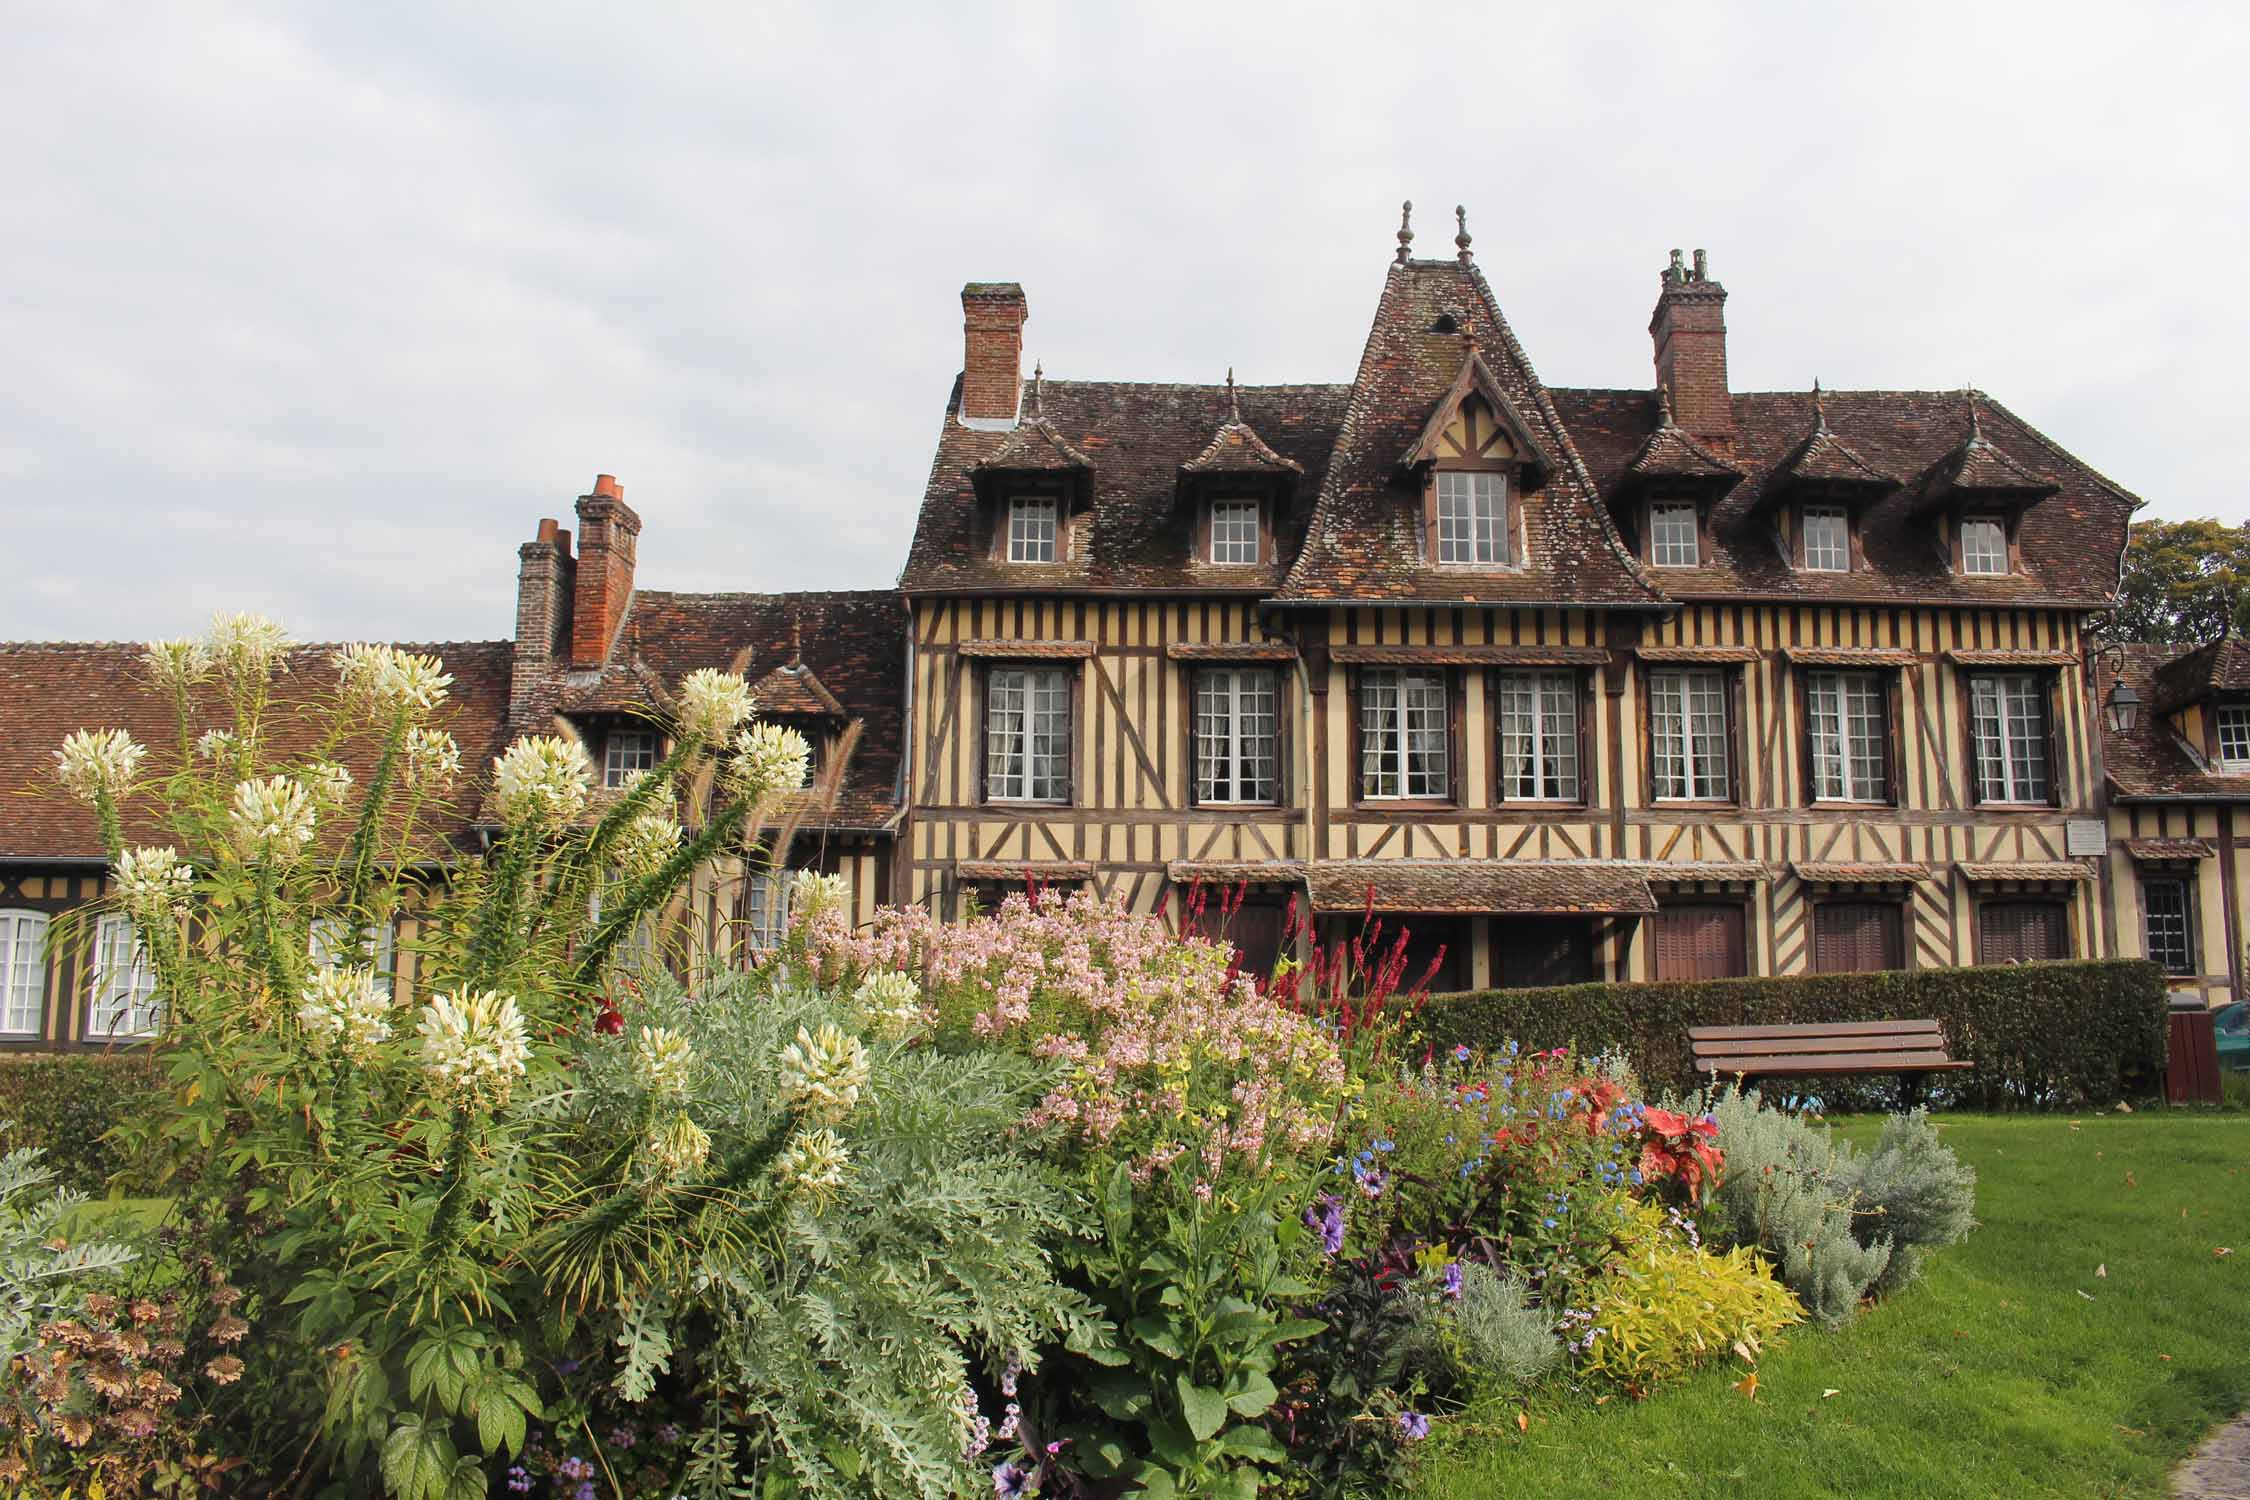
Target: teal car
point(2232, 1024)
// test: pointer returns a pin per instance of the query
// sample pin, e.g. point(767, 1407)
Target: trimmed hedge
point(65, 1104)
point(2035, 1034)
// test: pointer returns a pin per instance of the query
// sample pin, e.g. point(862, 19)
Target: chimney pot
point(606, 484)
point(548, 525)
point(608, 532)
point(992, 317)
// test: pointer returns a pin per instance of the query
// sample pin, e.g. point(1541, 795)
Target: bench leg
point(1913, 1089)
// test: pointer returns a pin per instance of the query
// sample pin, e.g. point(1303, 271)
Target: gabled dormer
point(793, 696)
point(619, 712)
point(1237, 491)
point(1978, 495)
point(1471, 465)
point(1671, 486)
point(1818, 496)
point(2203, 697)
point(1032, 488)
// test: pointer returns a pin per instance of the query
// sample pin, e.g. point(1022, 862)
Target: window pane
point(1050, 736)
point(1236, 735)
point(1472, 518)
point(1403, 735)
point(1424, 709)
point(122, 999)
point(765, 915)
point(1671, 529)
point(1234, 531)
point(2008, 721)
point(1984, 546)
point(2166, 902)
point(1031, 529)
point(1004, 767)
point(1379, 755)
point(1539, 735)
point(1828, 545)
point(1688, 731)
point(23, 972)
point(627, 753)
point(2234, 736)
point(1847, 713)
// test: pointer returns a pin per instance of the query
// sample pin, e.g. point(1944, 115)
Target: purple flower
point(1460, 1053)
point(585, 1491)
point(1413, 1426)
point(519, 1480)
point(1009, 1480)
point(566, 1367)
point(623, 1437)
point(1326, 1218)
point(1453, 1279)
point(574, 1468)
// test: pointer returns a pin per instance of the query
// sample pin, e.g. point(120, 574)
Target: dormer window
point(1984, 546)
point(2234, 737)
point(1827, 539)
point(627, 753)
point(1472, 518)
point(1672, 534)
point(1033, 528)
point(1234, 531)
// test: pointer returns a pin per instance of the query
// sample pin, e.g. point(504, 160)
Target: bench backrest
point(1824, 1039)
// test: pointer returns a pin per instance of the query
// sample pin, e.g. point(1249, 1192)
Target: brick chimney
point(544, 578)
point(992, 319)
point(1690, 330)
point(608, 531)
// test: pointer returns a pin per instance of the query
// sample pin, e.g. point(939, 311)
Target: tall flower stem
point(360, 860)
point(652, 889)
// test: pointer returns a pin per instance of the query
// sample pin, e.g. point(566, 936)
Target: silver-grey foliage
point(41, 1269)
point(1489, 1336)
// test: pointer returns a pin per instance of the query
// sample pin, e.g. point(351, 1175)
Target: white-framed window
point(1984, 546)
point(1688, 734)
point(1539, 736)
point(765, 914)
point(2234, 736)
point(2008, 720)
point(1828, 539)
point(121, 998)
point(329, 944)
point(1027, 735)
point(1034, 523)
point(1848, 736)
point(1672, 534)
point(1404, 735)
point(636, 950)
point(2167, 903)
point(1472, 518)
point(1237, 734)
point(23, 972)
point(627, 753)
point(1234, 531)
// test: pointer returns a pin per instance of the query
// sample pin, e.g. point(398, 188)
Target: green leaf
point(1290, 1329)
point(1158, 1334)
point(1205, 1409)
point(1242, 1484)
point(1157, 1484)
point(1248, 1440)
point(1257, 1393)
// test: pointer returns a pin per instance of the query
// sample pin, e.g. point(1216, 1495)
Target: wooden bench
point(1911, 1049)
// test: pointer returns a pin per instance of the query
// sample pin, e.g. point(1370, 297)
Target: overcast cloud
point(317, 309)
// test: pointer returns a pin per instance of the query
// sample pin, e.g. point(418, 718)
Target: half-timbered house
point(1666, 681)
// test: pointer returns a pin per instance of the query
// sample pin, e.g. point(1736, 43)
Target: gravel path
point(2220, 1469)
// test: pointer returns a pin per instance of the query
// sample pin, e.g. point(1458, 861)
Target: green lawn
point(1995, 1375)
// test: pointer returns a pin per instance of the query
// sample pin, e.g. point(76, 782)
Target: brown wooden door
point(2019, 932)
point(1255, 932)
point(1424, 937)
point(1700, 940)
point(1529, 952)
point(1857, 937)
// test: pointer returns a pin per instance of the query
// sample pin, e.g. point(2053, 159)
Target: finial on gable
point(1234, 406)
point(1038, 389)
point(1405, 230)
point(1976, 427)
point(1819, 406)
point(1663, 404)
point(796, 639)
point(1461, 240)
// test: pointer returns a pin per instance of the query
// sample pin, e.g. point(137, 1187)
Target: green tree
point(2183, 579)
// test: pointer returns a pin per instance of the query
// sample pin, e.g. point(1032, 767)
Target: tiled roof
point(1478, 886)
point(1987, 871)
point(1823, 458)
point(2162, 851)
point(1820, 873)
point(1366, 539)
point(627, 686)
point(854, 647)
point(49, 689)
point(2220, 666)
point(1671, 454)
point(1236, 447)
point(1849, 656)
point(1024, 871)
point(2071, 540)
point(1977, 469)
point(794, 688)
point(1234, 871)
point(1136, 533)
point(1034, 446)
point(2149, 761)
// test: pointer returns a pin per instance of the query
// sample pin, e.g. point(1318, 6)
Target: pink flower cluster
point(1173, 1056)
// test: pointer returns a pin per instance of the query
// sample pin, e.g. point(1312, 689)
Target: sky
point(317, 309)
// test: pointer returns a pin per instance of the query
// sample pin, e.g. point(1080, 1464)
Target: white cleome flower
point(643, 844)
point(812, 1165)
point(94, 761)
point(432, 759)
point(176, 665)
point(248, 647)
point(891, 1004)
point(664, 1060)
point(154, 883)
point(813, 895)
point(767, 759)
point(473, 1045)
point(273, 817)
point(678, 1149)
point(329, 783)
point(385, 679)
point(713, 705)
point(540, 783)
point(823, 1073)
point(343, 1009)
point(215, 744)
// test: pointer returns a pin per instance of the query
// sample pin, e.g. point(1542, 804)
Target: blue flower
point(1009, 1480)
point(1413, 1426)
point(1453, 1279)
point(1326, 1219)
point(1460, 1053)
point(1550, 1223)
point(1385, 1146)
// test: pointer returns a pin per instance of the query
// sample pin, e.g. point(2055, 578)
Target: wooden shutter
point(1700, 940)
point(1856, 937)
point(1424, 937)
point(2015, 932)
point(1530, 952)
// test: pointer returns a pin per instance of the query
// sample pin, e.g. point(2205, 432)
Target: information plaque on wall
point(2084, 836)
